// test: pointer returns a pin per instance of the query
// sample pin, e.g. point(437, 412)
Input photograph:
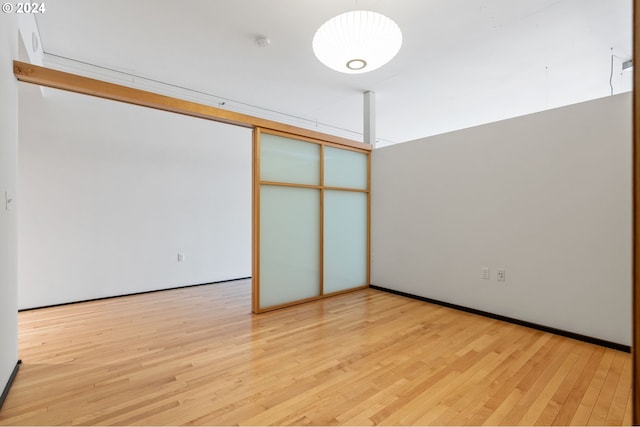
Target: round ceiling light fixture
point(357, 42)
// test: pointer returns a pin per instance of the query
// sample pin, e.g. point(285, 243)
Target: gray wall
point(546, 196)
point(8, 219)
point(111, 193)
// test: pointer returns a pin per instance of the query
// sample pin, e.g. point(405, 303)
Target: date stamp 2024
point(24, 8)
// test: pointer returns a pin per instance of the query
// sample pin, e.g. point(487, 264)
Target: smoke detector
point(263, 41)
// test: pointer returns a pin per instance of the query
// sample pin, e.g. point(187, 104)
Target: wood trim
point(321, 272)
point(288, 184)
point(43, 76)
point(255, 217)
point(295, 137)
point(353, 190)
point(288, 304)
point(291, 303)
point(311, 299)
point(635, 345)
point(317, 140)
point(345, 291)
point(369, 219)
point(357, 150)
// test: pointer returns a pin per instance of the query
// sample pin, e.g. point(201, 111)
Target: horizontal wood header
point(43, 76)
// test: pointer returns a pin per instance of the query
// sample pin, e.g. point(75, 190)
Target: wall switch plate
point(501, 274)
point(484, 273)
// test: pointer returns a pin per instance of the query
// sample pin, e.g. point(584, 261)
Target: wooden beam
point(43, 76)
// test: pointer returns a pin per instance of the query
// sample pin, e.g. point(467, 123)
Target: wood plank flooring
point(196, 356)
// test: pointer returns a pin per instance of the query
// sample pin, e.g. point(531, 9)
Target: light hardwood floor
point(197, 356)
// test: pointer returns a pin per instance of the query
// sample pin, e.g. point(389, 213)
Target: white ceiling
point(462, 63)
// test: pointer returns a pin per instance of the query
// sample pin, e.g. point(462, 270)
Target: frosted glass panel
point(345, 240)
point(287, 160)
point(289, 244)
point(344, 168)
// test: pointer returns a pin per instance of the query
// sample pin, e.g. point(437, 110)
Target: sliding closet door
point(289, 220)
point(346, 212)
point(311, 220)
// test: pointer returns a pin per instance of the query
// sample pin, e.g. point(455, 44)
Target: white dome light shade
point(357, 42)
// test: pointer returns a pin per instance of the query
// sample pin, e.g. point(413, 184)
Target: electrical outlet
point(484, 273)
point(180, 257)
point(501, 274)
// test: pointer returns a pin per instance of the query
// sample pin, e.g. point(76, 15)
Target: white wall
point(110, 193)
point(546, 196)
point(8, 219)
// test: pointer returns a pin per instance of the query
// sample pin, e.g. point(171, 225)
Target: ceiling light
point(357, 42)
